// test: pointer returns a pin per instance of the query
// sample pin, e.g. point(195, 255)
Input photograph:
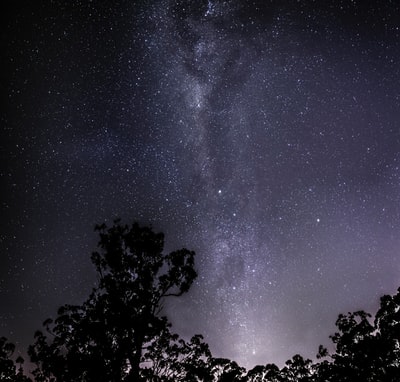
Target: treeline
point(119, 333)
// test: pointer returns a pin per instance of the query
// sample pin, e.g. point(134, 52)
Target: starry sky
point(264, 135)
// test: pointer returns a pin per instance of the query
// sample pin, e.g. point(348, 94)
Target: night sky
point(264, 135)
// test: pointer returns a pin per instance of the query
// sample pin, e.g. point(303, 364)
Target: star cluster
point(262, 134)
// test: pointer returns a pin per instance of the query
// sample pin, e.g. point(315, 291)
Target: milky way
point(263, 135)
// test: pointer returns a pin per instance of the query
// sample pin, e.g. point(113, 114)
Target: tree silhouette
point(8, 370)
point(119, 333)
point(387, 322)
point(225, 370)
point(7, 367)
point(298, 369)
point(267, 373)
point(170, 358)
point(365, 350)
point(104, 339)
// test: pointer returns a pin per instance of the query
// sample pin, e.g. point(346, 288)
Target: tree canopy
point(120, 333)
point(104, 339)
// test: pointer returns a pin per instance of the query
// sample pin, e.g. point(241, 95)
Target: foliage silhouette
point(269, 372)
point(365, 350)
point(225, 370)
point(119, 333)
point(8, 370)
point(169, 358)
point(298, 369)
point(7, 366)
point(104, 338)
